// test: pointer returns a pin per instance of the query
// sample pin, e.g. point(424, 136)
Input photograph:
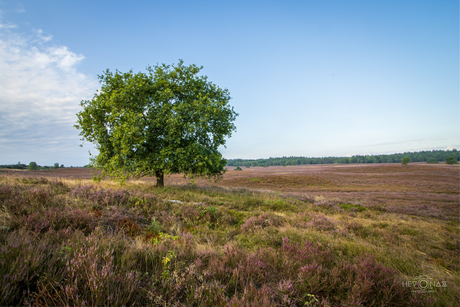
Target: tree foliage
point(421, 156)
point(168, 120)
point(451, 160)
point(405, 161)
point(33, 166)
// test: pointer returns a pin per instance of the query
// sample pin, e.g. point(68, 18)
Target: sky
point(308, 78)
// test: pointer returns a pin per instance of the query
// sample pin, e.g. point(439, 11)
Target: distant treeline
point(421, 156)
point(32, 165)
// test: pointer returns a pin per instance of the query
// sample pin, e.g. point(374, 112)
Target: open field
point(316, 235)
point(419, 189)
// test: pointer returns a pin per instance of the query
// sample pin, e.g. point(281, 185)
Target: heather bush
point(104, 197)
point(24, 259)
point(362, 231)
point(58, 187)
point(254, 296)
point(57, 218)
point(317, 221)
point(262, 221)
point(95, 279)
point(19, 200)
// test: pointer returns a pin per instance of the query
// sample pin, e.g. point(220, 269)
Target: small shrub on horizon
point(451, 160)
point(405, 161)
point(33, 166)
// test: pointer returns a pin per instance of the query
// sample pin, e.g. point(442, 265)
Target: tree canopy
point(451, 160)
point(405, 161)
point(420, 156)
point(168, 120)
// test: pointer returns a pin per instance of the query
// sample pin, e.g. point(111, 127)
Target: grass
point(77, 242)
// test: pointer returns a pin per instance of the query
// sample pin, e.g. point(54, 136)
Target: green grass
point(352, 207)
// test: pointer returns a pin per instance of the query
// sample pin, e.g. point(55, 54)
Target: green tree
point(33, 166)
point(56, 165)
point(168, 120)
point(405, 161)
point(451, 160)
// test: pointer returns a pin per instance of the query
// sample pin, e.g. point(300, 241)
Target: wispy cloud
point(40, 92)
point(7, 26)
point(41, 37)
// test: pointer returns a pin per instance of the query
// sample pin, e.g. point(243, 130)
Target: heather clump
point(59, 218)
point(24, 260)
point(101, 196)
point(262, 221)
point(94, 278)
point(316, 221)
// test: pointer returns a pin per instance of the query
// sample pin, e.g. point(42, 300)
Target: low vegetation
point(78, 242)
point(405, 161)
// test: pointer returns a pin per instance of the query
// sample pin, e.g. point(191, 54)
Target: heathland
point(308, 235)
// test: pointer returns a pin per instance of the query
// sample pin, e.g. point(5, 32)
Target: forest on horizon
point(432, 156)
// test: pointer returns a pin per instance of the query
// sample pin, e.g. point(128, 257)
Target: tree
point(33, 166)
point(56, 165)
point(405, 161)
point(168, 120)
point(451, 160)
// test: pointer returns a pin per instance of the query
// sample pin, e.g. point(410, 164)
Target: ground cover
point(290, 236)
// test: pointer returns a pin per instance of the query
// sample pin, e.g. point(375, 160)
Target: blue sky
point(308, 78)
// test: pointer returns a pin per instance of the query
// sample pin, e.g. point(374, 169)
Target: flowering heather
point(262, 221)
point(101, 196)
point(79, 244)
point(58, 218)
point(317, 221)
point(94, 279)
point(23, 259)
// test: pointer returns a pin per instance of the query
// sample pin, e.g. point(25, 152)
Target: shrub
point(260, 222)
point(33, 166)
point(238, 168)
point(405, 161)
point(432, 161)
point(24, 259)
point(451, 160)
point(95, 279)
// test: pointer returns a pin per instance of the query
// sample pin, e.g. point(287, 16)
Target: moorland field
point(307, 235)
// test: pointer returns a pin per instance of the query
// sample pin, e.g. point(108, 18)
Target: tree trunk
point(160, 178)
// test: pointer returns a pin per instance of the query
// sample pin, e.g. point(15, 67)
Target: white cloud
point(7, 26)
point(43, 38)
point(40, 92)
